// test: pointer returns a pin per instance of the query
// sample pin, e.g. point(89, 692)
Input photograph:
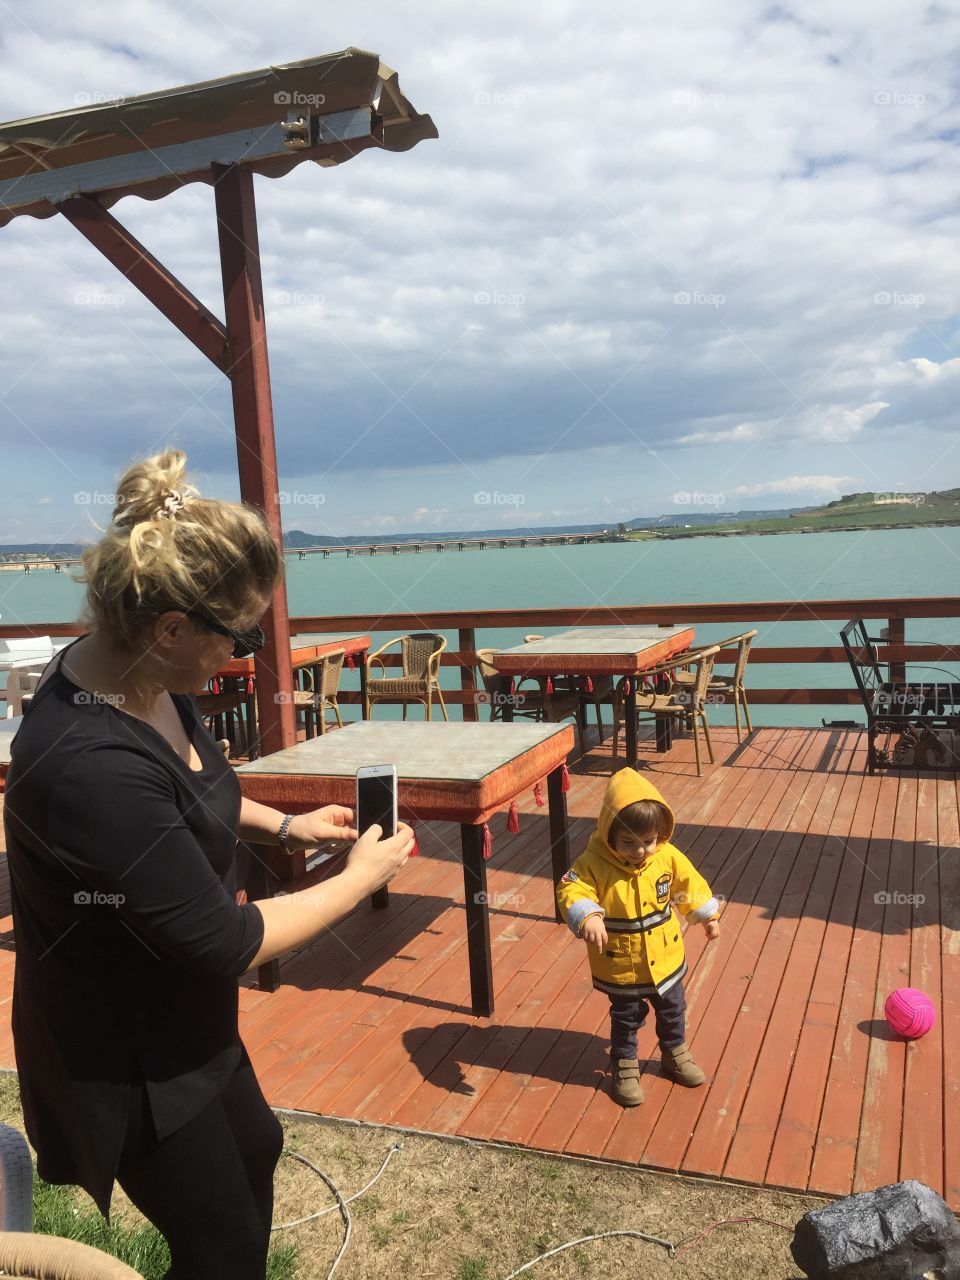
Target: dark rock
point(904, 1231)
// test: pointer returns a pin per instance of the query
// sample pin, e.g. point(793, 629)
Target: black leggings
point(208, 1187)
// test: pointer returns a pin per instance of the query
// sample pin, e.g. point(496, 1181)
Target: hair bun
point(154, 489)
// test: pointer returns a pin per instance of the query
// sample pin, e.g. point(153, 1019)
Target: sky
point(662, 258)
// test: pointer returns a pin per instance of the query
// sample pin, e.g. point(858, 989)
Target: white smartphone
point(377, 798)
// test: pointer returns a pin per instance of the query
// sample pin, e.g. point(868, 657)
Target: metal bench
point(920, 717)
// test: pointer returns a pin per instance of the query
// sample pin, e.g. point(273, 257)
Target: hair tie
point(171, 504)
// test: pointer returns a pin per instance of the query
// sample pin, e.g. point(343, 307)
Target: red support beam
point(249, 373)
point(148, 275)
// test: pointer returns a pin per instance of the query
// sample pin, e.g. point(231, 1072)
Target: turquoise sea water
point(907, 562)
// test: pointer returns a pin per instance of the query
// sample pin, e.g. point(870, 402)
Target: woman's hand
point(375, 861)
point(593, 931)
point(712, 929)
point(332, 822)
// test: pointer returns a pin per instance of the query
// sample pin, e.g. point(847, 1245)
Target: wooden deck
point(807, 1088)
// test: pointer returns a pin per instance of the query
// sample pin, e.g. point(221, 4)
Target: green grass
point(55, 1213)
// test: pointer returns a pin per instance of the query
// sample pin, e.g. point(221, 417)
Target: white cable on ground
point(603, 1235)
point(397, 1146)
point(341, 1203)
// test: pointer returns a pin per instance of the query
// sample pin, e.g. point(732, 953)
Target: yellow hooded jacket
point(644, 952)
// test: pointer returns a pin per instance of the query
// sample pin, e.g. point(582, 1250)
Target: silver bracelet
point(284, 829)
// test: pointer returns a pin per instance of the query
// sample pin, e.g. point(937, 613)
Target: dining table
point(306, 651)
point(450, 771)
point(617, 651)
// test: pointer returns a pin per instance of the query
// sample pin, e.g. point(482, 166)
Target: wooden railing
point(890, 612)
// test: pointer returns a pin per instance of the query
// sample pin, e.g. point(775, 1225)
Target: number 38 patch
point(663, 888)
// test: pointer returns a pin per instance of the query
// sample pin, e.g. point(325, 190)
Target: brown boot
point(678, 1065)
point(626, 1081)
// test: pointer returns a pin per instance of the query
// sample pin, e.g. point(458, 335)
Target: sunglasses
point(245, 643)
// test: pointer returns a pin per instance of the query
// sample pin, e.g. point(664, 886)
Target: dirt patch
point(459, 1211)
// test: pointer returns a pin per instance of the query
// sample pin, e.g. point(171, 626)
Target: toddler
point(618, 897)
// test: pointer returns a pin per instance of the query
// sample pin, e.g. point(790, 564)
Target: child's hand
point(593, 931)
point(712, 929)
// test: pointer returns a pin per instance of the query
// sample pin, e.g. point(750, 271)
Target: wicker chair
point(314, 701)
point(602, 687)
point(687, 703)
point(224, 714)
point(686, 677)
point(41, 1257)
point(55, 1258)
point(420, 654)
point(548, 707)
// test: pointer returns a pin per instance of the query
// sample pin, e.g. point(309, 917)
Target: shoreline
point(663, 535)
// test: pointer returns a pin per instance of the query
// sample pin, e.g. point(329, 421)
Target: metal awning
point(324, 109)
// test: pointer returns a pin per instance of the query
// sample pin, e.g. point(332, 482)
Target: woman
point(122, 819)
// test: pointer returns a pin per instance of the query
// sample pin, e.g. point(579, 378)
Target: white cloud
point(782, 169)
point(791, 484)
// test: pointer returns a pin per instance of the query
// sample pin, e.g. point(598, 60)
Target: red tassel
point(249, 685)
point(513, 686)
point(513, 818)
point(549, 684)
point(415, 851)
point(626, 688)
point(214, 685)
point(588, 685)
point(538, 794)
point(564, 778)
point(350, 662)
point(487, 843)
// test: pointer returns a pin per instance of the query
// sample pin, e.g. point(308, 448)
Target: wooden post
point(468, 677)
point(897, 635)
point(249, 373)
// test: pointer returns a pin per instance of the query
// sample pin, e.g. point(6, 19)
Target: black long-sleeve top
point(129, 939)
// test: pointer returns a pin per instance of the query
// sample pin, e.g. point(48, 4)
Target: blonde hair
point(168, 548)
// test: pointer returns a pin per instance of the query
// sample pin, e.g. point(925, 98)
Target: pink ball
point(910, 1012)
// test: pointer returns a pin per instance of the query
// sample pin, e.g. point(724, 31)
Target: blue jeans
point(628, 1013)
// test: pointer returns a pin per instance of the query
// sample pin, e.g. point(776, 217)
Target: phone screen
point(375, 803)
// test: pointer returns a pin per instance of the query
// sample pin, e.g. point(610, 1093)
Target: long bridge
point(416, 546)
point(24, 562)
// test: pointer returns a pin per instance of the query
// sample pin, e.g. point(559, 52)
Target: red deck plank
point(921, 1153)
point(878, 1153)
point(948, 837)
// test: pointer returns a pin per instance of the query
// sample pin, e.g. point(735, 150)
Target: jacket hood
point(625, 787)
